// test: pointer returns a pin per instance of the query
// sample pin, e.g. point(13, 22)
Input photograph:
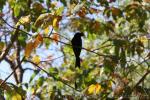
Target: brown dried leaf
point(38, 40)
point(55, 37)
point(28, 49)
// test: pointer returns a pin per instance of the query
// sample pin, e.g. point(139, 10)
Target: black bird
point(77, 46)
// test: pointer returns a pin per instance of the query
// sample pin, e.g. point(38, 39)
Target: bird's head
point(79, 34)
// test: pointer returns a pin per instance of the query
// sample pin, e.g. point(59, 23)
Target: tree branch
point(50, 75)
point(13, 39)
point(11, 73)
point(12, 66)
point(21, 71)
point(14, 27)
point(141, 80)
point(81, 48)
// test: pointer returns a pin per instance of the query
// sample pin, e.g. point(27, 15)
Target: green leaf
point(17, 10)
point(2, 2)
point(59, 11)
point(40, 81)
point(2, 45)
point(33, 75)
point(53, 71)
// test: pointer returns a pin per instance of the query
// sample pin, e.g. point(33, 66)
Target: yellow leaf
point(97, 88)
point(59, 11)
point(16, 96)
point(24, 20)
point(94, 89)
point(91, 89)
point(143, 39)
point(28, 49)
point(36, 59)
point(38, 40)
point(110, 84)
point(46, 30)
point(55, 22)
point(55, 37)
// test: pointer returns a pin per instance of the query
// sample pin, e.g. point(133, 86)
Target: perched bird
point(77, 46)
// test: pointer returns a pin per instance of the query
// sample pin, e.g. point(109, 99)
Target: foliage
point(114, 59)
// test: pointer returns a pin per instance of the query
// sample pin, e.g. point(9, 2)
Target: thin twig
point(52, 59)
point(14, 27)
point(58, 40)
point(102, 47)
point(50, 75)
point(81, 48)
point(50, 32)
point(141, 80)
point(10, 74)
point(13, 39)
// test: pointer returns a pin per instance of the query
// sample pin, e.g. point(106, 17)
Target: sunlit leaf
point(24, 20)
point(97, 88)
point(46, 30)
point(17, 10)
point(38, 40)
point(94, 89)
point(109, 84)
point(55, 22)
point(77, 7)
point(59, 11)
point(16, 96)
point(28, 49)
point(143, 39)
point(36, 59)
point(44, 20)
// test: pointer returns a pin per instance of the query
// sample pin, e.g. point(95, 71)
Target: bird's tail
point(77, 62)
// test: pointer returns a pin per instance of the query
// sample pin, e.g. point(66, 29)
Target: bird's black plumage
point(77, 45)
